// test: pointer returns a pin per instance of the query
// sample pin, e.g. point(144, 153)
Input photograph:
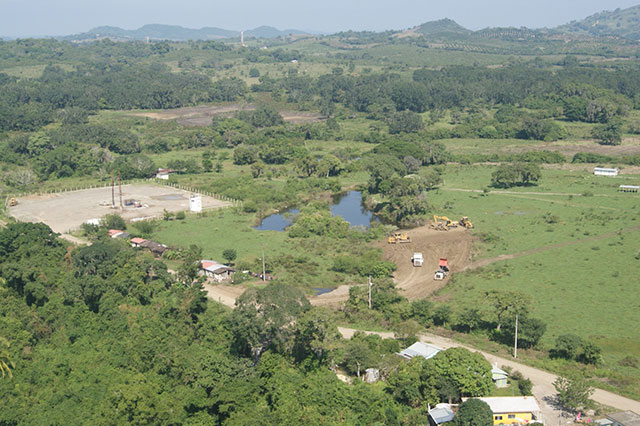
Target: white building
point(195, 203)
point(424, 350)
point(602, 171)
point(217, 271)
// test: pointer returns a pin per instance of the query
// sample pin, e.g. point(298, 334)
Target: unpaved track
point(543, 388)
point(413, 282)
point(484, 262)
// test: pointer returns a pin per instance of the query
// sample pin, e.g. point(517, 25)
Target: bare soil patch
point(202, 115)
point(417, 282)
point(69, 210)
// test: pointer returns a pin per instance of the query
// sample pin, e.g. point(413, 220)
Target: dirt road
point(543, 388)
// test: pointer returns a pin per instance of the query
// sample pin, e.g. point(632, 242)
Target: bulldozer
point(13, 202)
point(399, 237)
point(465, 222)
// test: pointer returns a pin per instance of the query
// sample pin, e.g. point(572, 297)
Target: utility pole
point(370, 285)
point(120, 186)
point(264, 275)
point(515, 346)
point(113, 192)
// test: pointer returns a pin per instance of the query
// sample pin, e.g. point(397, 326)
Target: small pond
point(277, 222)
point(348, 206)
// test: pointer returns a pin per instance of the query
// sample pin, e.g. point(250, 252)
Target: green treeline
point(104, 334)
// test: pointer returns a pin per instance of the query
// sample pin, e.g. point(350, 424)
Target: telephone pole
point(113, 192)
point(120, 186)
point(515, 345)
point(370, 285)
point(264, 275)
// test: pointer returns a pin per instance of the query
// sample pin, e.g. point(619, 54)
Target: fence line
point(234, 202)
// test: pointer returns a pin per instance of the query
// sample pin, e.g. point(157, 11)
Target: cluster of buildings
point(603, 171)
point(154, 247)
point(507, 410)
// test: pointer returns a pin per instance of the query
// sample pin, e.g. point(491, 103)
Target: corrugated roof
point(626, 418)
point(424, 350)
point(496, 370)
point(113, 232)
point(441, 415)
point(512, 404)
point(138, 240)
point(215, 267)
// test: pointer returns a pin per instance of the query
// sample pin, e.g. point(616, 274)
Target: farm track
point(543, 388)
point(484, 262)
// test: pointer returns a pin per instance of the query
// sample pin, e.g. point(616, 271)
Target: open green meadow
point(572, 243)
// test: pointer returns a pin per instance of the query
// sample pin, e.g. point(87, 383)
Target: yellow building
point(513, 410)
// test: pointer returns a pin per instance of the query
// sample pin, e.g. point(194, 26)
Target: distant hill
point(271, 32)
point(176, 32)
point(620, 22)
point(442, 26)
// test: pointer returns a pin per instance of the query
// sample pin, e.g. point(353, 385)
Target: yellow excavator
point(442, 223)
point(399, 237)
point(13, 202)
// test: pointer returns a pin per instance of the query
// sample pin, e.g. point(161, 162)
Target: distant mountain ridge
point(178, 33)
point(620, 22)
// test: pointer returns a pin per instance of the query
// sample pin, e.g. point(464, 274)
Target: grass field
point(577, 256)
point(303, 262)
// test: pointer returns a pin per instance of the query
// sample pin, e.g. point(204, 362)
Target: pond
point(278, 222)
point(348, 206)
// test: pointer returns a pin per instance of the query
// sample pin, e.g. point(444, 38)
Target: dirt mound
point(418, 282)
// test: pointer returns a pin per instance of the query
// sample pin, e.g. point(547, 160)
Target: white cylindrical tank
point(195, 203)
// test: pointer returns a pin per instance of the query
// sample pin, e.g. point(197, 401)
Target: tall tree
point(266, 319)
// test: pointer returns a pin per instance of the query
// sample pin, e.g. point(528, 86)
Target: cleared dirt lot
point(202, 115)
point(69, 210)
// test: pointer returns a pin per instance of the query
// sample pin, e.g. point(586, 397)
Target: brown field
point(69, 210)
point(202, 115)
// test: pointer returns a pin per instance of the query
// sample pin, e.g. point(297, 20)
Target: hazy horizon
point(21, 18)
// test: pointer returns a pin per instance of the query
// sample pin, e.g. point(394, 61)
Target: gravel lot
point(69, 210)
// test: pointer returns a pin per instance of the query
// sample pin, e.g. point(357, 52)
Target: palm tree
point(5, 360)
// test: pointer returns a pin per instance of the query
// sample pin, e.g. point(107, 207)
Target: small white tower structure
point(195, 203)
point(242, 38)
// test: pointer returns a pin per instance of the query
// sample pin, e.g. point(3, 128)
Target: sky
point(21, 18)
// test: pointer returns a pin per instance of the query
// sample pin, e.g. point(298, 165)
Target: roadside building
point(499, 376)
point(603, 171)
point(137, 242)
point(513, 410)
point(216, 271)
point(624, 418)
point(154, 247)
point(114, 233)
point(424, 350)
